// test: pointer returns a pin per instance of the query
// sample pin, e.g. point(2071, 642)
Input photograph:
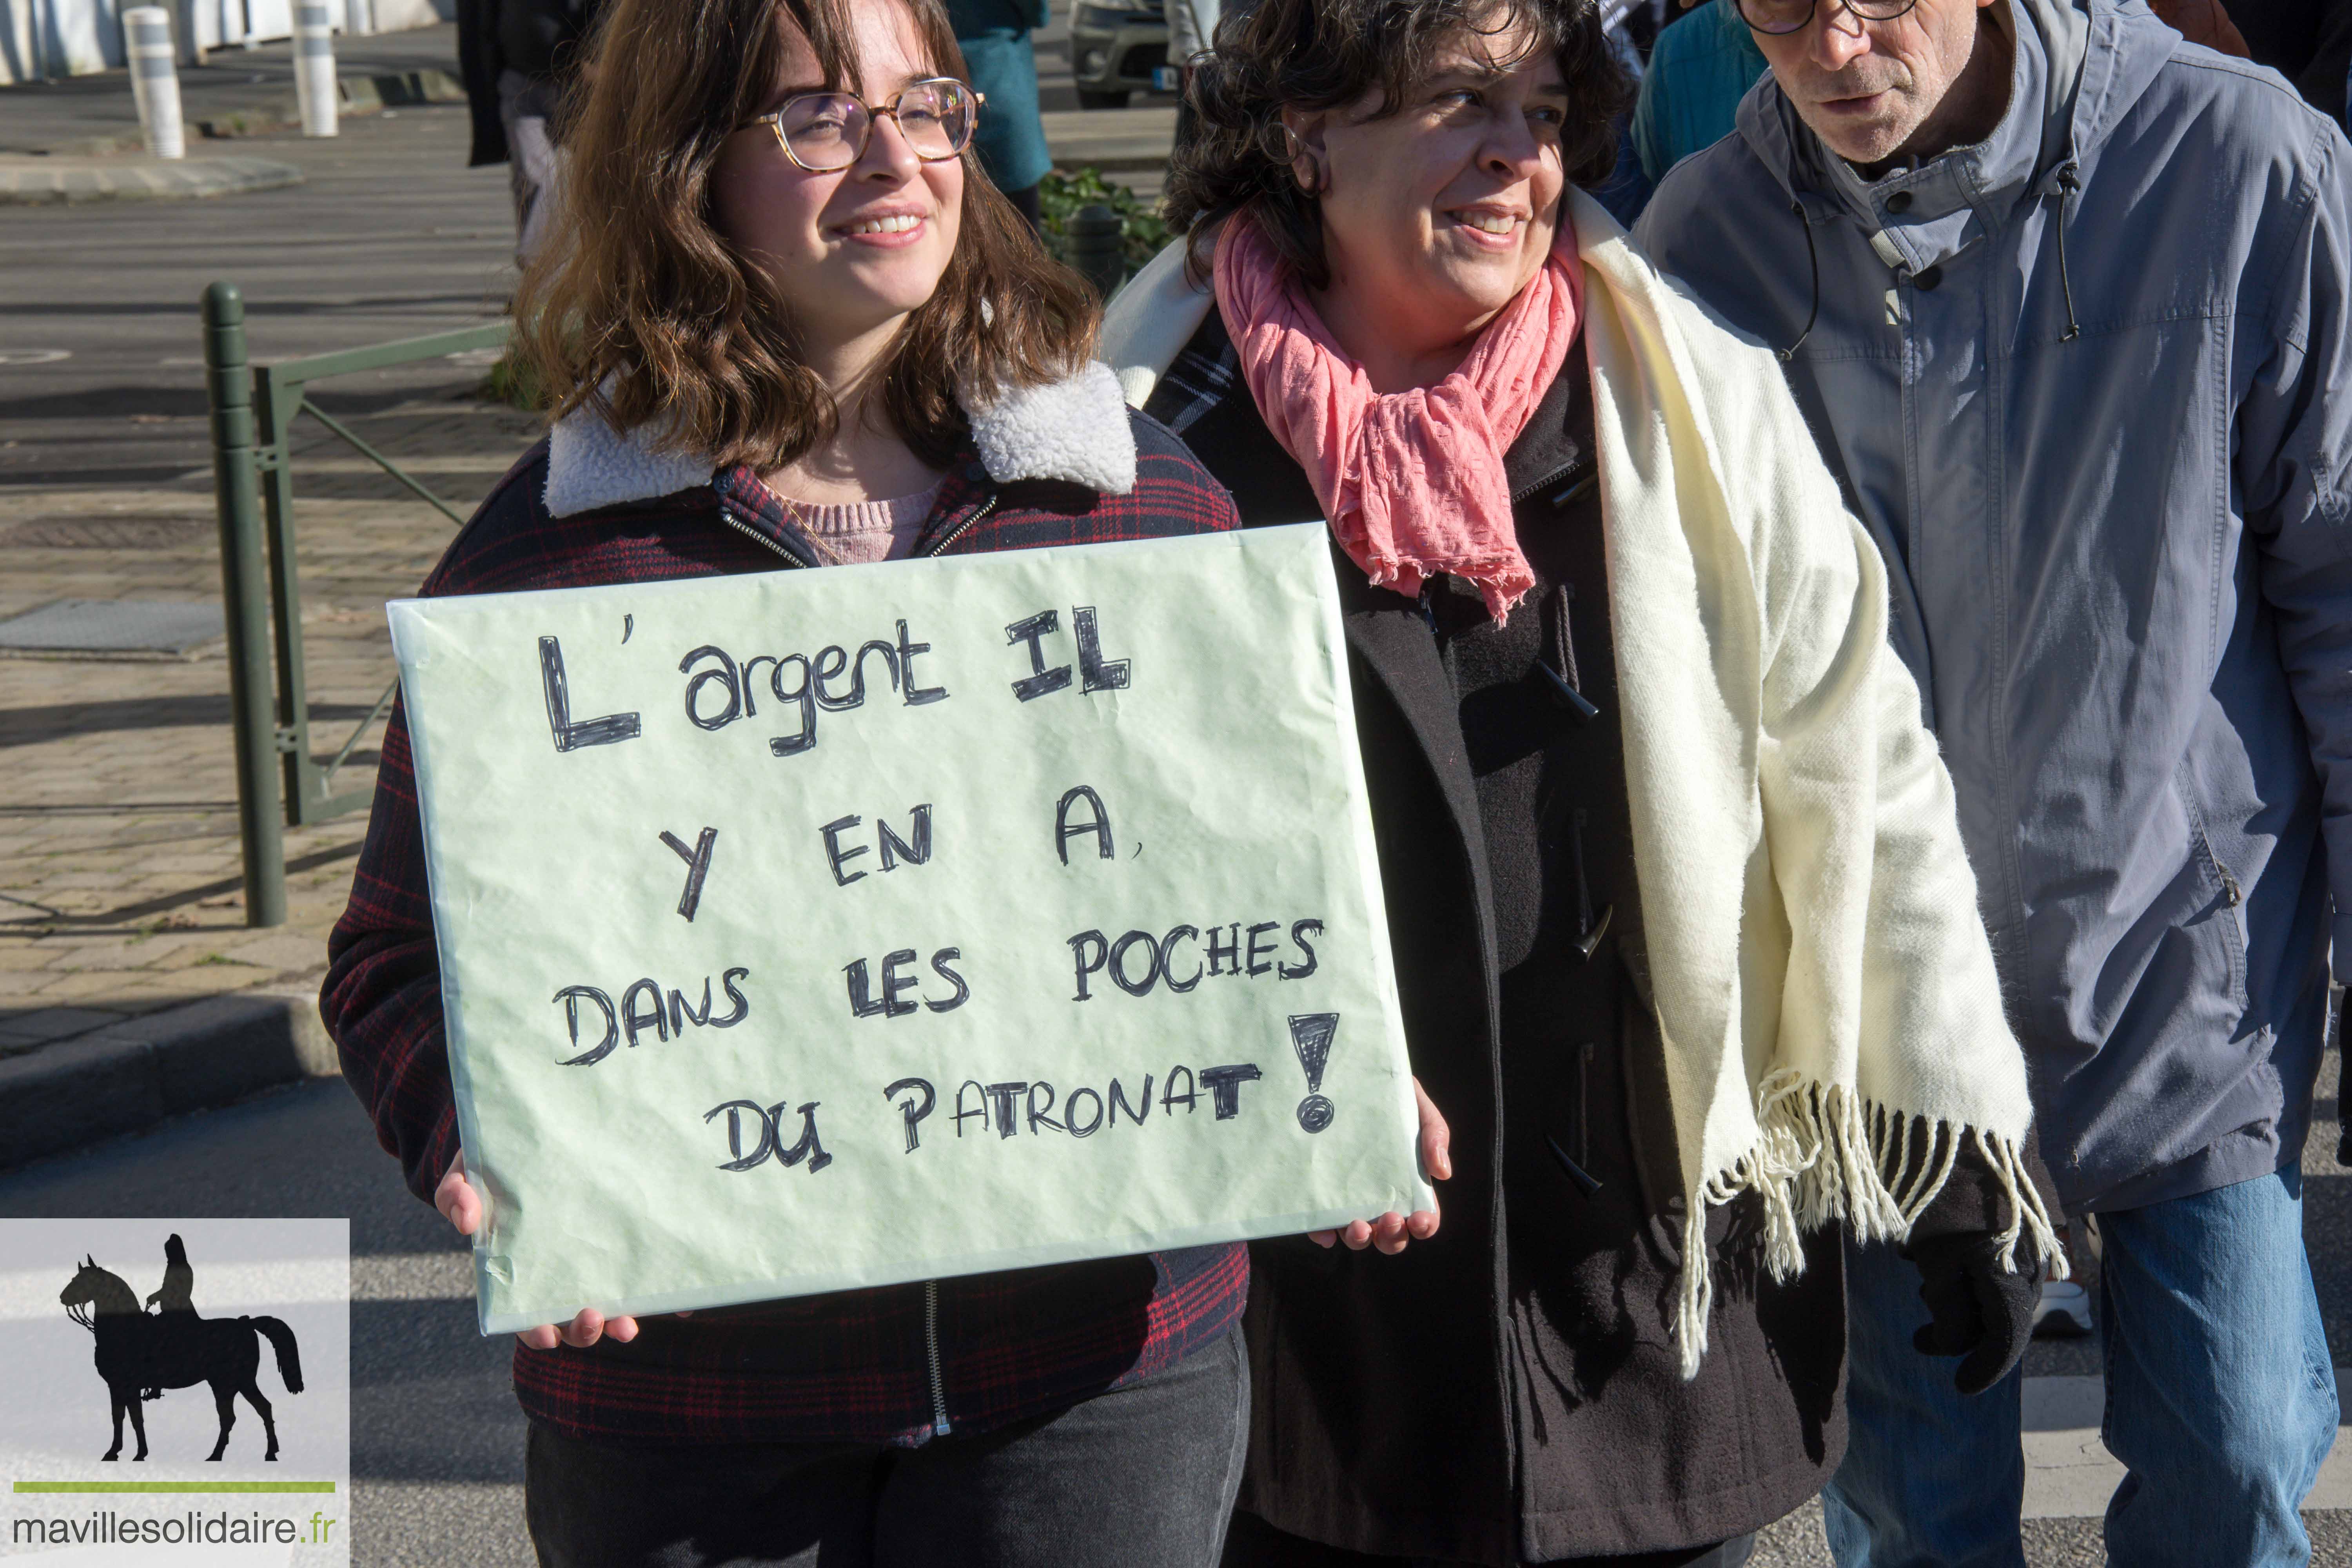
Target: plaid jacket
point(851, 1367)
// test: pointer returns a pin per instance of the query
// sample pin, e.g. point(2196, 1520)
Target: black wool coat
point(1508, 1391)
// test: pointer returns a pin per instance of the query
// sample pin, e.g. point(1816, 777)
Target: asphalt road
point(101, 377)
point(436, 1440)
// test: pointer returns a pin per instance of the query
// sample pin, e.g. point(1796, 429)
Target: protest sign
point(811, 930)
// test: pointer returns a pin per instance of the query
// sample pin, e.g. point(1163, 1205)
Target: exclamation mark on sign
point(1310, 1036)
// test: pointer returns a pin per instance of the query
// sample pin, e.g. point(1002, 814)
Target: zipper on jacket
point(1565, 496)
point(748, 531)
point(957, 532)
point(931, 1350)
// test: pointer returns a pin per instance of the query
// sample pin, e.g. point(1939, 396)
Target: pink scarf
point(1411, 481)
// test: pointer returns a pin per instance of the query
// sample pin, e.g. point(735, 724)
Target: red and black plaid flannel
point(851, 1367)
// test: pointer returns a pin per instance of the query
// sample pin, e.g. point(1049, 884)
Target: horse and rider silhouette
point(140, 1354)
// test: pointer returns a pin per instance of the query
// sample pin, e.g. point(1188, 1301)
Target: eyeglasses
point(824, 133)
point(1779, 16)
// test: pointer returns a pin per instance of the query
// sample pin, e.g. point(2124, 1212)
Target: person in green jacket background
point(1011, 138)
point(1701, 67)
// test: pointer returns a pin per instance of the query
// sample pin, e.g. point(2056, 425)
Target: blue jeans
point(2220, 1401)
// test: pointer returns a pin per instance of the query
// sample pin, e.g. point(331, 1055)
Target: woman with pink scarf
point(1379, 320)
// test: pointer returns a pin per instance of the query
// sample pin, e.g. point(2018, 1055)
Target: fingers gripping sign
point(1392, 1232)
point(461, 1205)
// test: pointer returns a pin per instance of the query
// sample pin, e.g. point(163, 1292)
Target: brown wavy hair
point(638, 308)
point(1317, 55)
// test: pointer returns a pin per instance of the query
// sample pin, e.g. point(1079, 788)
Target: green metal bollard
point(245, 605)
point(1095, 237)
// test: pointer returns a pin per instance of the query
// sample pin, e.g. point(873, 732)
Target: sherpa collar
point(1074, 430)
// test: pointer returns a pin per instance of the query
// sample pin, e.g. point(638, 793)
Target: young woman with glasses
point(785, 323)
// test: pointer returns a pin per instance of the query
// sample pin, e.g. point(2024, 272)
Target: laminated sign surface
point(820, 929)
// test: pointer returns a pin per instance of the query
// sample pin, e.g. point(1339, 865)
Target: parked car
point(1115, 48)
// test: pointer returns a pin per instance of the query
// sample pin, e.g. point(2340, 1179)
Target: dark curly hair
point(1314, 55)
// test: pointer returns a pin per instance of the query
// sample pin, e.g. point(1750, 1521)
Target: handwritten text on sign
point(813, 930)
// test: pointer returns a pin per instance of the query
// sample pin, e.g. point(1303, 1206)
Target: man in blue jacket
point(2064, 298)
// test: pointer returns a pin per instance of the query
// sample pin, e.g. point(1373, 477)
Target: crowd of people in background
point(1844, 517)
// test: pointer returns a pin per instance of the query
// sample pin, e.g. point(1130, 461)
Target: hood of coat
point(1074, 430)
point(2077, 67)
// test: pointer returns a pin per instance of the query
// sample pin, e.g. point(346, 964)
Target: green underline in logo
point(202, 1487)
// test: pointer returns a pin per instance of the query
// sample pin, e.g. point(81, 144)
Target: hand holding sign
point(1392, 1232)
point(814, 930)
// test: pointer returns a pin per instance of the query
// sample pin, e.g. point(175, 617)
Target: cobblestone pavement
point(120, 885)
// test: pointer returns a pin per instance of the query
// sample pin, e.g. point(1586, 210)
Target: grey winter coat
point(2086, 383)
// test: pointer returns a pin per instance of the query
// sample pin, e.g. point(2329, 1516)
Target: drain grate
point(109, 533)
point(111, 628)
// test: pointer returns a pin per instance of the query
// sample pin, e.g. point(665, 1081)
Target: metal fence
point(280, 782)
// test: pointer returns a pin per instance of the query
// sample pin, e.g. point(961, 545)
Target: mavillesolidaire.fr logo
point(177, 1387)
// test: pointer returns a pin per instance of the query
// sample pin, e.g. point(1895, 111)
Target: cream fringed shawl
point(1832, 1020)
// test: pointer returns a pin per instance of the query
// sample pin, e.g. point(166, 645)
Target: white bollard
point(154, 79)
point(314, 67)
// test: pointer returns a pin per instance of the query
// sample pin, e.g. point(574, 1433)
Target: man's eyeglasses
point(1792, 16)
point(824, 133)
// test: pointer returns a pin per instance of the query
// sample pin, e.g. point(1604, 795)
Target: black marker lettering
point(1299, 932)
point(912, 1110)
point(1119, 951)
point(894, 848)
point(961, 1114)
point(1096, 675)
point(1087, 965)
point(834, 854)
point(1042, 680)
point(1224, 957)
point(1225, 1083)
point(914, 696)
point(680, 1014)
point(730, 680)
point(1070, 1114)
point(569, 736)
point(857, 671)
point(742, 1006)
point(893, 982)
point(861, 990)
point(1034, 1115)
point(940, 967)
point(1168, 958)
point(1099, 824)
point(632, 1020)
point(1003, 1095)
point(831, 662)
point(735, 1109)
point(1168, 1096)
point(803, 693)
point(697, 866)
point(808, 1148)
point(1260, 954)
point(570, 997)
point(1119, 1103)
point(751, 669)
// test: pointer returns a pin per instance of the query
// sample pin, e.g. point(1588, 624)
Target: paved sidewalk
point(120, 878)
point(28, 181)
point(239, 92)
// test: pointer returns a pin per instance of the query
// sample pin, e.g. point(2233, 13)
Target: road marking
point(34, 356)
